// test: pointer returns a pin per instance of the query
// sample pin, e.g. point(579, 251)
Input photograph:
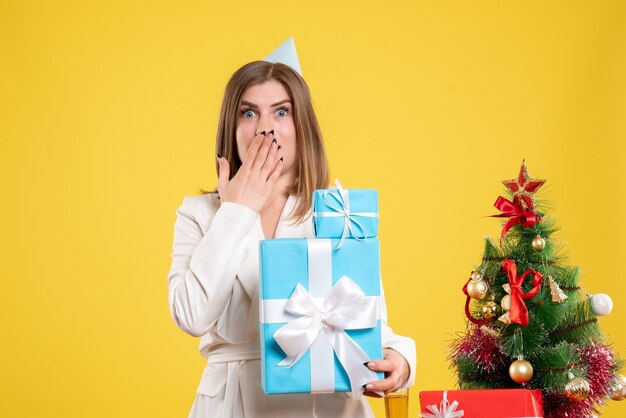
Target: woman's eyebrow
point(246, 103)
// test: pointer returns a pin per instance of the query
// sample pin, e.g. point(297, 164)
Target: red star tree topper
point(523, 188)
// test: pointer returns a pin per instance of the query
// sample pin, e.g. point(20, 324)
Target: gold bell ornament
point(577, 388)
point(618, 388)
point(490, 309)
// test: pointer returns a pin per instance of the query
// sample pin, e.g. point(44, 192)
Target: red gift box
point(494, 403)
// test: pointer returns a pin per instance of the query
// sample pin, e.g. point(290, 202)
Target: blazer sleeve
point(403, 345)
point(204, 266)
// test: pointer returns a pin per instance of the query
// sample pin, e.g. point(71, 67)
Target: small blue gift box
point(345, 213)
point(320, 316)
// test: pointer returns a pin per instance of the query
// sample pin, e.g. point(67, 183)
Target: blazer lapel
point(249, 270)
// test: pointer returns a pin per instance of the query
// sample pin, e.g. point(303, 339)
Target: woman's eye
point(281, 112)
point(248, 113)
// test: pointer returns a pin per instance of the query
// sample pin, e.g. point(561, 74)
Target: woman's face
point(266, 107)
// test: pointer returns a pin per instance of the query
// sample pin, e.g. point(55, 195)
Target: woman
point(270, 159)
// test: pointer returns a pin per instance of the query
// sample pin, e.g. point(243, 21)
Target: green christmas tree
point(529, 323)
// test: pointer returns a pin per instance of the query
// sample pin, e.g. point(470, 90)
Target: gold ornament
point(489, 331)
point(538, 243)
point(577, 388)
point(490, 309)
point(477, 288)
point(618, 388)
point(557, 294)
point(506, 318)
point(506, 302)
point(520, 370)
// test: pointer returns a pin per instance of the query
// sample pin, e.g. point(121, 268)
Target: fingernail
point(369, 387)
point(274, 141)
point(272, 132)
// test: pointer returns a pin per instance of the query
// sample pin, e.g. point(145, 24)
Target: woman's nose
point(265, 123)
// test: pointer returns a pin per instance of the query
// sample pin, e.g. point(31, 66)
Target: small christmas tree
point(529, 324)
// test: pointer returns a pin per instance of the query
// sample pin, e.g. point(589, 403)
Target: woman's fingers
point(262, 153)
point(224, 173)
point(396, 371)
point(253, 149)
point(268, 166)
point(278, 167)
point(391, 381)
point(254, 181)
point(381, 366)
point(387, 385)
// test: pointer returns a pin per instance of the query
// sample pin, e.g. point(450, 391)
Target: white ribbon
point(445, 410)
point(343, 199)
point(317, 320)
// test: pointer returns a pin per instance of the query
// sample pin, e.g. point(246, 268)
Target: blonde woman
point(270, 159)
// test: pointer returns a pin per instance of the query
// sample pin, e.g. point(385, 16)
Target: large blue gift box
point(320, 316)
point(345, 213)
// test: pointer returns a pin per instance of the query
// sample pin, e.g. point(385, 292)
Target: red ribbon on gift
point(525, 218)
point(519, 312)
point(467, 311)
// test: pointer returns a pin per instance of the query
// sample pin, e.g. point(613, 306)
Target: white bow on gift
point(343, 199)
point(445, 410)
point(344, 307)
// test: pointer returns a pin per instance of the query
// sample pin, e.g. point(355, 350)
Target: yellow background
point(107, 119)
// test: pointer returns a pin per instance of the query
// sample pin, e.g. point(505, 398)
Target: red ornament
point(523, 188)
point(525, 218)
point(518, 313)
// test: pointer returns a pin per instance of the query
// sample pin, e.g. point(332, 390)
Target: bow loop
point(301, 303)
point(445, 409)
point(525, 218)
point(351, 224)
point(346, 307)
point(518, 313)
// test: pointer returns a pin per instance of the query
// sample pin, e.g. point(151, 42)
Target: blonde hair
point(311, 163)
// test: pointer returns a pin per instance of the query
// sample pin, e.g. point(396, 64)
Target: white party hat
point(285, 54)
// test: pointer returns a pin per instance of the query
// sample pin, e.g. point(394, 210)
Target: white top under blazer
point(213, 294)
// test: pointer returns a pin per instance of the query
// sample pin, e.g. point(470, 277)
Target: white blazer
point(213, 294)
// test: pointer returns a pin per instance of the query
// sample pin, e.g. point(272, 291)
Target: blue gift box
point(331, 207)
point(311, 267)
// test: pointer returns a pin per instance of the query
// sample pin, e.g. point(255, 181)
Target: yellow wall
point(107, 118)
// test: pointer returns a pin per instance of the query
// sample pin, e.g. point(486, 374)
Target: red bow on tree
point(525, 218)
point(518, 313)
